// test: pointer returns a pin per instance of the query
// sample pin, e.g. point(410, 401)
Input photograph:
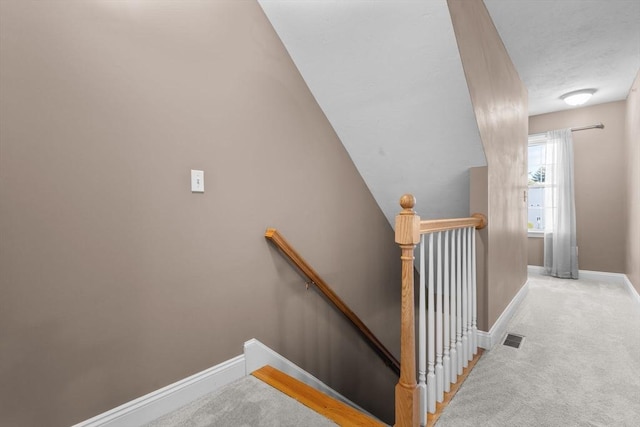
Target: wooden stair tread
point(329, 407)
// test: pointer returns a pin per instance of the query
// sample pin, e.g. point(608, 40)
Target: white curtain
point(560, 248)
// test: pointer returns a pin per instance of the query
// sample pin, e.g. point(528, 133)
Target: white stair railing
point(447, 309)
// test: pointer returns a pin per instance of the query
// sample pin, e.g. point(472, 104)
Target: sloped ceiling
point(388, 76)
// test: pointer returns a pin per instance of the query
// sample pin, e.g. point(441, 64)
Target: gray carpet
point(579, 364)
point(245, 402)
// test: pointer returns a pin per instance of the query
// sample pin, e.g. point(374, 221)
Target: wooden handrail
point(276, 238)
point(477, 220)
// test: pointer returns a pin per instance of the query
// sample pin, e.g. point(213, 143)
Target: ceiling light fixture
point(578, 97)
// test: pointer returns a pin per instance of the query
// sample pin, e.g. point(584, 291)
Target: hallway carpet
point(245, 402)
point(578, 365)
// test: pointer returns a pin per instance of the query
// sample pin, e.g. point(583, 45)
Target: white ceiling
point(388, 76)
point(561, 46)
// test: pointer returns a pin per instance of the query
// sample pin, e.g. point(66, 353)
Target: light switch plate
point(197, 181)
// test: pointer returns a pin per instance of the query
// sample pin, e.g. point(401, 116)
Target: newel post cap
point(407, 201)
point(407, 222)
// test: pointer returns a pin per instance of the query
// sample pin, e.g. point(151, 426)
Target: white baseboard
point(614, 278)
point(487, 340)
point(167, 399)
point(617, 278)
point(484, 339)
point(632, 291)
point(535, 269)
point(258, 355)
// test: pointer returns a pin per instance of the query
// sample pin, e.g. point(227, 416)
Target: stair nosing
point(333, 409)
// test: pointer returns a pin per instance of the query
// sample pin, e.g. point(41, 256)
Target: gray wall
point(117, 280)
point(600, 182)
point(632, 154)
point(535, 256)
point(500, 104)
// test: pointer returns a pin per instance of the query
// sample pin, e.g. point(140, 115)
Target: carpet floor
point(578, 365)
point(243, 403)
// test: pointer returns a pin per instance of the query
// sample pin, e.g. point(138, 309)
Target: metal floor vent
point(513, 340)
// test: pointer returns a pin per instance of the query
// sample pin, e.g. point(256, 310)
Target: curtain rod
point(598, 126)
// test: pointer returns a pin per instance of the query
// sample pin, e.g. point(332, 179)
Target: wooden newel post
point(407, 397)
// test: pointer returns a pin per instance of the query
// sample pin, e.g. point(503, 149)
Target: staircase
point(248, 390)
point(267, 397)
point(257, 388)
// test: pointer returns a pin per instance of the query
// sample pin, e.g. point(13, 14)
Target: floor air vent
point(513, 340)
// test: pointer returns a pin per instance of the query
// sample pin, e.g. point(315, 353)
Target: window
point(536, 174)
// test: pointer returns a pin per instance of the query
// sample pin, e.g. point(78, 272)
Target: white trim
point(614, 278)
point(484, 339)
point(632, 291)
point(258, 355)
point(487, 340)
point(617, 278)
point(535, 269)
point(167, 399)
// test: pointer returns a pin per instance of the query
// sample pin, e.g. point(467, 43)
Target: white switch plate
point(197, 181)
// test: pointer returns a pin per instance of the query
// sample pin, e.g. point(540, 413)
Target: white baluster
point(469, 295)
point(459, 305)
point(454, 352)
point(439, 368)
point(431, 376)
point(422, 338)
point(465, 304)
point(446, 361)
point(474, 301)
